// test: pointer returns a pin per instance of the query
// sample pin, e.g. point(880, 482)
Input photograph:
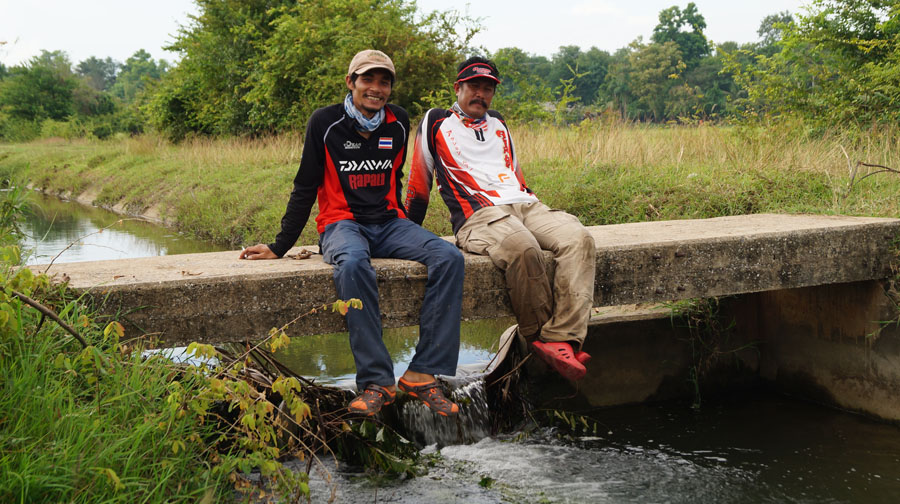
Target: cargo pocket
point(478, 238)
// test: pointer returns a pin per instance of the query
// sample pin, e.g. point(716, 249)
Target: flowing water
point(756, 448)
point(753, 447)
point(750, 448)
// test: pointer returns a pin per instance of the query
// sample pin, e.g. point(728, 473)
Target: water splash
point(471, 425)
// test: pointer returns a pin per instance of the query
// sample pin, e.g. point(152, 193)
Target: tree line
point(48, 96)
point(261, 66)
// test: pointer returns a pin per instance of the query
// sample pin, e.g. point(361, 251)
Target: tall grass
point(612, 173)
point(83, 424)
point(90, 419)
point(65, 439)
point(234, 191)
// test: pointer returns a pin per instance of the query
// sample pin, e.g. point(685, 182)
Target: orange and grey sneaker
point(559, 356)
point(370, 400)
point(431, 394)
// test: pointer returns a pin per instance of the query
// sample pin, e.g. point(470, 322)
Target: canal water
point(756, 447)
point(66, 231)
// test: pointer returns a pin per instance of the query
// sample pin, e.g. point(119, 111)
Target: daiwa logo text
point(367, 165)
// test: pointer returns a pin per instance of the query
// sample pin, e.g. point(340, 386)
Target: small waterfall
point(474, 421)
point(472, 424)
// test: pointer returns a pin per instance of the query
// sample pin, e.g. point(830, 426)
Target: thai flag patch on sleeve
point(385, 143)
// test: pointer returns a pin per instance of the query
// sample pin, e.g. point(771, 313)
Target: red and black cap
point(476, 70)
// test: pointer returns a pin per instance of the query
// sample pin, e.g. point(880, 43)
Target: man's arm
point(421, 172)
point(306, 184)
point(402, 118)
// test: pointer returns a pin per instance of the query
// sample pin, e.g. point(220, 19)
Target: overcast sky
point(118, 28)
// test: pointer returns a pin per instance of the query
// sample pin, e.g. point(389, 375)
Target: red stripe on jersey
point(447, 160)
point(333, 205)
point(464, 178)
point(420, 179)
point(389, 116)
point(521, 177)
point(391, 196)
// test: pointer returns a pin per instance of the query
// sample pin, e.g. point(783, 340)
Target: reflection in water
point(52, 225)
point(327, 357)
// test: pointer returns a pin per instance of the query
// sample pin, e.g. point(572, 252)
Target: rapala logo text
point(358, 181)
point(352, 145)
point(367, 164)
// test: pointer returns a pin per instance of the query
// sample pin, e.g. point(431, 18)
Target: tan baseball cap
point(369, 59)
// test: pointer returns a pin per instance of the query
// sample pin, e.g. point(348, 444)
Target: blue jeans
point(348, 246)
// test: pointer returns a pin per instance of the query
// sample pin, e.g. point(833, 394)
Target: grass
point(67, 440)
point(91, 419)
point(87, 424)
point(234, 191)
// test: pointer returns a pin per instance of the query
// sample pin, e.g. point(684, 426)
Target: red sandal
point(559, 356)
point(431, 394)
point(583, 357)
point(370, 400)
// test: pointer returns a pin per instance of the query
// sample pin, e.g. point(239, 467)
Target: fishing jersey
point(353, 177)
point(475, 164)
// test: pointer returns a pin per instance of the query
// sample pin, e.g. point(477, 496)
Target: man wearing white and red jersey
point(352, 162)
point(470, 151)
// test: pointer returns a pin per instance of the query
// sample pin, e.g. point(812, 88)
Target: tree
point(40, 89)
point(206, 92)
point(87, 101)
point(562, 63)
point(138, 69)
point(587, 68)
point(261, 66)
point(524, 90)
point(771, 31)
point(99, 73)
point(56, 61)
point(616, 88)
point(654, 70)
point(594, 63)
point(837, 65)
point(712, 87)
point(671, 28)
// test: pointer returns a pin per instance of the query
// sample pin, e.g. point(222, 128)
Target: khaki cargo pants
point(513, 236)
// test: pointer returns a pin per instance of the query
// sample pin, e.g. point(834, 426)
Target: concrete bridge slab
point(215, 297)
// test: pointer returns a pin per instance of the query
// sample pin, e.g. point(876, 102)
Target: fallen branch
point(854, 170)
point(882, 170)
point(49, 313)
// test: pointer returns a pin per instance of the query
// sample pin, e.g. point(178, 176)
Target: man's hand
point(259, 251)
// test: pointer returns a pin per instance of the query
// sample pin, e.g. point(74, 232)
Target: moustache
point(478, 101)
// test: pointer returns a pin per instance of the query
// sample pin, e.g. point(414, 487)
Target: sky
point(118, 28)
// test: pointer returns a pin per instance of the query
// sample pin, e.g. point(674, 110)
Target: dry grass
point(234, 190)
point(616, 145)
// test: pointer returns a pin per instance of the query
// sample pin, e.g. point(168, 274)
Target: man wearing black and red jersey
point(470, 150)
point(352, 162)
